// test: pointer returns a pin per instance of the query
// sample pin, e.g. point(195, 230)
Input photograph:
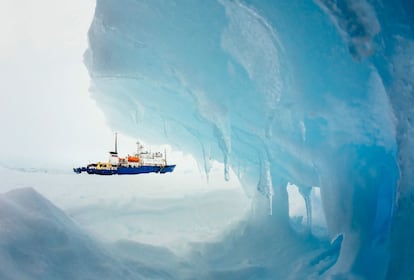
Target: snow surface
point(145, 209)
point(317, 94)
point(38, 241)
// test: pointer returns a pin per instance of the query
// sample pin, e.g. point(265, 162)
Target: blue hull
point(167, 168)
point(122, 170)
point(145, 169)
point(138, 170)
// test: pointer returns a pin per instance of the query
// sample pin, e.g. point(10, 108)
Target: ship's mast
point(165, 156)
point(113, 156)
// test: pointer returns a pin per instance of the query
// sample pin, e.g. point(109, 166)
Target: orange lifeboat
point(133, 159)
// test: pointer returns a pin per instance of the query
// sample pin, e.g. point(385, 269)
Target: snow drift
point(318, 94)
point(38, 241)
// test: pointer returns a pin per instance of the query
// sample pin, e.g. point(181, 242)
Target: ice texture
point(318, 94)
point(38, 241)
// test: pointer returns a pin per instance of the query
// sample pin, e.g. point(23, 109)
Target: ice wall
point(313, 93)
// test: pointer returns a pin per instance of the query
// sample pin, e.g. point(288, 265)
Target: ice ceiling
point(319, 94)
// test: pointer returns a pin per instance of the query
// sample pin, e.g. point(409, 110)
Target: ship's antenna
point(138, 147)
point(165, 156)
point(116, 142)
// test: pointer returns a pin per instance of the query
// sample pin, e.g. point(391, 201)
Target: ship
point(140, 162)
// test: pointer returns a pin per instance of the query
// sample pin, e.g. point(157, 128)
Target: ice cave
point(306, 98)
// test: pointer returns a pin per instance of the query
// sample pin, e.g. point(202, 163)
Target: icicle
point(222, 132)
point(207, 162)
point(305, 192)
point(226, 168)
point(265, 186)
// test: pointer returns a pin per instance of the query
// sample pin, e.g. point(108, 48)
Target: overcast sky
point(47, 117)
